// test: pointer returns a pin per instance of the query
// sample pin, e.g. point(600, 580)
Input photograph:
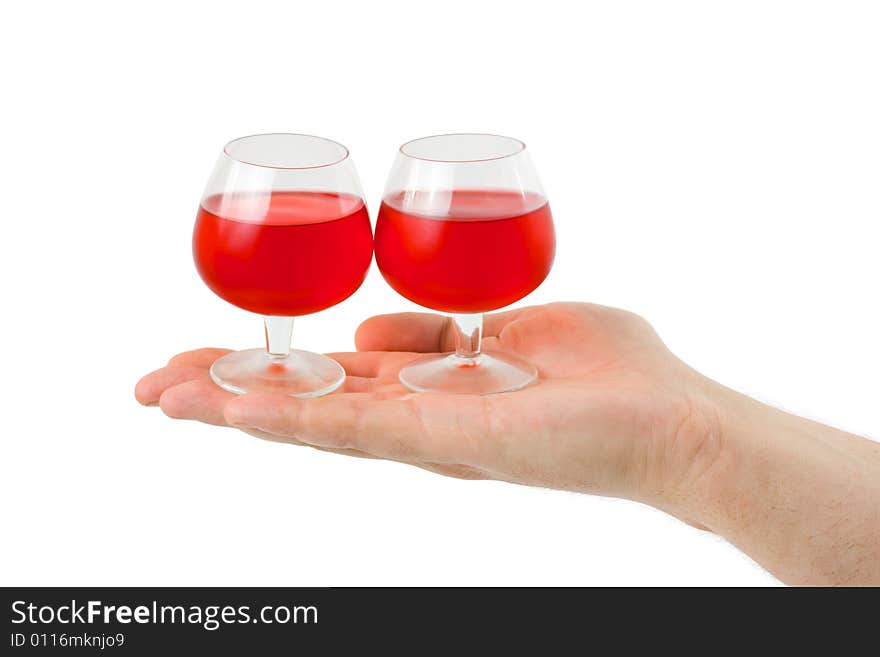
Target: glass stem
point(468, 334)
point(279, 332)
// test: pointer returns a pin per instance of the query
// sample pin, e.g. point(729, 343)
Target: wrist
point(692, 456)
point(793, 494)
point(723, 474)
point(747, 451)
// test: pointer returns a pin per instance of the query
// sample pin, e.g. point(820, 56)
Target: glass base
point(486, 374)
point(299, 374)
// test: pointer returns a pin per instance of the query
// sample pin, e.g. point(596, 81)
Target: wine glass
point(465, 228)
point(283, 231)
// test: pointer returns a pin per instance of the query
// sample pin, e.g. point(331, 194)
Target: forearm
point(799, 497)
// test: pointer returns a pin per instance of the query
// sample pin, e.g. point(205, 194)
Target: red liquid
point(283, 253)
point(465, 250)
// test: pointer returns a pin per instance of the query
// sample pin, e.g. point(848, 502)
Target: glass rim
point(345, 152)
point(520, 147)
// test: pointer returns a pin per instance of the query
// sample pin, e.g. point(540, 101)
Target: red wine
point(465, 250)
point(283, 253)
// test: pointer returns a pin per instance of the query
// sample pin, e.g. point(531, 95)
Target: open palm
point(613, 411)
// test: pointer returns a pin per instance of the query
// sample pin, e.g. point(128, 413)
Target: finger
point(421, 332)
point(388, 427)
point(494, 323)
point(361, 364)
point(377, 387)
point(200, 400)
point(380, 365)
point(356, 384)
point(198, 357)
point(456, 471)
point(263, 435)
point(150, 388)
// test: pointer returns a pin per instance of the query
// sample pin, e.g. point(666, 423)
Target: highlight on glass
point(465, 228)
point(282, 230)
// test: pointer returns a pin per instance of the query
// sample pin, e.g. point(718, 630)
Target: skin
point(614, 412)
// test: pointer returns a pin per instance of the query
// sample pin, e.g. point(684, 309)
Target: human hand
point(613, 411)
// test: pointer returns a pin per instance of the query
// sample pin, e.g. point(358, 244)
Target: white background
point(713, 166)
